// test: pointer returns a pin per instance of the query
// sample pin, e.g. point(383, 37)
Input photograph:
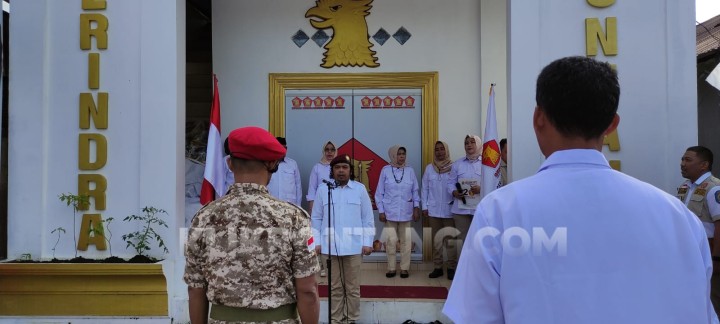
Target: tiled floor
point(374, 274)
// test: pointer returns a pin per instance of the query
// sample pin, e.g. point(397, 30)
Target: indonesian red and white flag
point(214, 177)
point(490, 149)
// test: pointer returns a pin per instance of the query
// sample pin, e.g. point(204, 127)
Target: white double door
point(363, 123)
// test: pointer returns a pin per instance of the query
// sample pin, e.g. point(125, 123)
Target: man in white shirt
point(351, 233)
point(579, 242)
point(285, 183)
point(701, 194)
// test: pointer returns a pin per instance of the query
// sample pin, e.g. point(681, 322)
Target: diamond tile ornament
point(402, 35)
point(320, 38)
point(381, 36)
point(300, 38)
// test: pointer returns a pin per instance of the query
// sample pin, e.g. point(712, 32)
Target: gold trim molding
point(68, 289)
point(427, 82)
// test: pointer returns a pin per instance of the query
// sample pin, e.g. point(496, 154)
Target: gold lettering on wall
point(96, 192)
point(98, 113)
point(601, 3)
point(91, 221)
point(608, 39)
point(94, 4)
point(94, 70)
point(612, 140)
point(84, 143)
point(99, 31)
point(93, 25)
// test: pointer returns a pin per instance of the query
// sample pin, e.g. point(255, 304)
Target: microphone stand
point(328, 261)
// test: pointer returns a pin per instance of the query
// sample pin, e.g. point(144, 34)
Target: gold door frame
point(427, 82)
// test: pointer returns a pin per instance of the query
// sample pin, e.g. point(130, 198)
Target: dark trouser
point(444, 240)
point(462, 223)
point(715, 292)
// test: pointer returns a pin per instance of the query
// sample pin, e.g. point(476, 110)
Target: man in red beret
point(351, 236)
point(239, 245)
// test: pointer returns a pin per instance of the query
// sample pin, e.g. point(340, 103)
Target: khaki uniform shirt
point(503, 173)
point(247, 248)
point(704, 200)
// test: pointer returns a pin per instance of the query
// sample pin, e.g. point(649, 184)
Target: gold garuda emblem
point(350, 44)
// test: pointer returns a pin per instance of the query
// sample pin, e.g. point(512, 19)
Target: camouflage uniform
point(247, 248)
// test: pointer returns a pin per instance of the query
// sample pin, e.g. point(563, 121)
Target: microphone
point(329, 184)
point(460, 190)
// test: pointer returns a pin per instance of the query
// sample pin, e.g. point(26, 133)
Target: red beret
point(344, 158)
point(254, 143)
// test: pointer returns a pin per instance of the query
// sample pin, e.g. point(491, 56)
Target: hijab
point(443, 166)
point(478, 147)
point(322, 159)
point(392, 153)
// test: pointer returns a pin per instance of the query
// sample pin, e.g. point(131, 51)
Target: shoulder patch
point(311, 244)
point(717, 196)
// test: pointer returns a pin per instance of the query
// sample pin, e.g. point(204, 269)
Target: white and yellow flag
point(714, 77)
point(490, 149)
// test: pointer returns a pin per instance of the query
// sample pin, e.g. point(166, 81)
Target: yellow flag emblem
point(491, 154)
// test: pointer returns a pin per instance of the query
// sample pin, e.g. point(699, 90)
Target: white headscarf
point(392, 153)
point(478, 147)
point(323, 160)
point(445, 165)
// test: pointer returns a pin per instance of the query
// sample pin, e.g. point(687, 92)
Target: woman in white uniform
point(436, 203)
point(398, 200)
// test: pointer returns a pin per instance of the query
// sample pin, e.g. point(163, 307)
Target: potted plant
point(99, 288)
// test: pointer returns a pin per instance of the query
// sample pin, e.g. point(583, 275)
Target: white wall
point(493, 58)
point(252, 38)
point(656, 67)
point(142, 70)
